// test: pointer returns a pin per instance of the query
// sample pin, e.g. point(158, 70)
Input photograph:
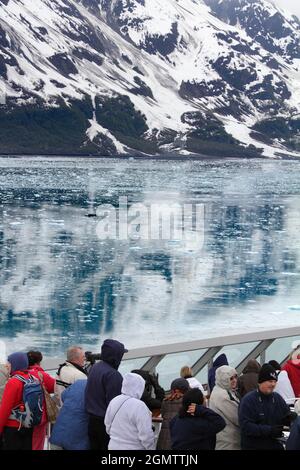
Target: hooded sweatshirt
point(248, 381)
point(13, 391)
point(71, 428)
point(292, 368)
point(128, 420)
point(104, 381)
point(220, 361)
point(225, 402)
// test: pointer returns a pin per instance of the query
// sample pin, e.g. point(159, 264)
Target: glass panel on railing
point(131, 364)
point(236, 353)
point(281, 348)
point(169, 368)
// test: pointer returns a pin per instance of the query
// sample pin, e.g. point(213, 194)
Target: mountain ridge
point(141, 76)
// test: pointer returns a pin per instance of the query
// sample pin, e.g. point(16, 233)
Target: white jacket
point(284, 388)
point(226, 403)
point(128, 420)
point(194, 383)
point(69, 374)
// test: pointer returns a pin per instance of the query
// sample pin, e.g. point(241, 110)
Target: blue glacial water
point(60, 284)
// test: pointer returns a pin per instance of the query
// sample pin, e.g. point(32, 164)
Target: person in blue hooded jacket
point(104, 383)
point(71, 428)
point(218, 362)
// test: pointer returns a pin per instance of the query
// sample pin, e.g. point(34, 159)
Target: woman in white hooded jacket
point(225, 402)
point(128, 420)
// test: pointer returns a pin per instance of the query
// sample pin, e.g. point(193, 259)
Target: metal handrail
point(155, 354)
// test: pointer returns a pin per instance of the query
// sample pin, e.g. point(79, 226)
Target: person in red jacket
point(14, 437)
point(39, 433)
point(292, 367)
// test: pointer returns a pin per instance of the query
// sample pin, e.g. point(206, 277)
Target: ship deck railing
point(167, 359)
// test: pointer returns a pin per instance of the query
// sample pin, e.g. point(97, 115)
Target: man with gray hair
point(70, 371)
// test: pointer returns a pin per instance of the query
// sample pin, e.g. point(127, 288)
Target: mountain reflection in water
point(62, 285)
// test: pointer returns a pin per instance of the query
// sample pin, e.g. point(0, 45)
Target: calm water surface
point(61, 284)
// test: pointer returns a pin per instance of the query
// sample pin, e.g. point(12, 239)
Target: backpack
point(30, 412)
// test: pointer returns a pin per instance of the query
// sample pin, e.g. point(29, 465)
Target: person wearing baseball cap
point(263, 413)
point(169, 408)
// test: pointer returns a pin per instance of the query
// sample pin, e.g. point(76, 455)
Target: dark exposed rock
point(267, 90)
point(87, 35)
point(81, 53)
point(8, 59)
point(58, 84)
point(163, 137)
point(142, 88)
point(206, 127)
point(238, 78)
point(163, 45)
point(126, 58)
point(35, 31)
point(119, 115)
point(3, 41)
point(282, 129)
point(272, 63)
point(238, 82)
point(260, 24)
point(43, 31)
point(137, 70)
point(202, 89)
point(63, 64)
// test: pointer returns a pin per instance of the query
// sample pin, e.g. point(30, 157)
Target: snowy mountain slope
point(123, 76)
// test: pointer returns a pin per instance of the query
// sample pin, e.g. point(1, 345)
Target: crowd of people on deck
point(99, 409)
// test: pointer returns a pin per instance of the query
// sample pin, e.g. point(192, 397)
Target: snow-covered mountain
point(149, 76)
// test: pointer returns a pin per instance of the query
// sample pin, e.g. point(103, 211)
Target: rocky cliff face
point(145, 76)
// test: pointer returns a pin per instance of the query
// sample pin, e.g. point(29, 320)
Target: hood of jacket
point(223, 375)
point(252, 366)
point(112, 352)
point(18, 361)
point(220, 361)
point(133, 385)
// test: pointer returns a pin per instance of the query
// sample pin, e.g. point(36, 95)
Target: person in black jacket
point(104, 383)
point(263, 413)
point(195, 427)
point(152, 387)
